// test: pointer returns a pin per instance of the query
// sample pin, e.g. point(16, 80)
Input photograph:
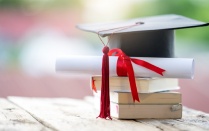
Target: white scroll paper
point(175, 67)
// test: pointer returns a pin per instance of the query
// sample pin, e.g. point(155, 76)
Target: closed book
point(156, 111)
point(124, 97)
point(144, 85)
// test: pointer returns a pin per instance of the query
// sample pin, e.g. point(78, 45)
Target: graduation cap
point(144, 37)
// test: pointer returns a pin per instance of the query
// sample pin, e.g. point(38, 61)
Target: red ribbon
point(125, 68)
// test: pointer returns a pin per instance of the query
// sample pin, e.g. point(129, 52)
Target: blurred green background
point(33, 33)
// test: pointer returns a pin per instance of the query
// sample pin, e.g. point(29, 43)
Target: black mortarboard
point(150, 37)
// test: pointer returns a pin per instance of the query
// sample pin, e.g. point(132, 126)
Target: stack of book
point(157, 98)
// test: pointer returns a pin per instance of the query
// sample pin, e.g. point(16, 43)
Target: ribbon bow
point(125, 68)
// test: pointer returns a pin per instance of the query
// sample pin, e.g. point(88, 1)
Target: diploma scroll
point(175, 67)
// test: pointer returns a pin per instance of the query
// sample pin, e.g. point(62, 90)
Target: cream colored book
point(144, 85)
point(121, 111)
point(124, 97)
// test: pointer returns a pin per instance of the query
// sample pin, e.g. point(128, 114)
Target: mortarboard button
point(149, 37)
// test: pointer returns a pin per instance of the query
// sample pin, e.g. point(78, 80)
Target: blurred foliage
point(30, 4)
point(196, 9)
point(10, 3)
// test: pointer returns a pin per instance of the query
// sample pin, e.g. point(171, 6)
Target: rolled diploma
point(175, 67)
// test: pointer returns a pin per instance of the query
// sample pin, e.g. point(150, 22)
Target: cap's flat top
point(162, 22)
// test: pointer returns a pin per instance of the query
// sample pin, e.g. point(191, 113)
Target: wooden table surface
point(65, 114)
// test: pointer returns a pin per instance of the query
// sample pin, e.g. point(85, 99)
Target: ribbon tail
point(148, 66)
point(130, 73)
point(93, 85)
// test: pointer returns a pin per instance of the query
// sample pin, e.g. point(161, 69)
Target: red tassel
point(105, 97)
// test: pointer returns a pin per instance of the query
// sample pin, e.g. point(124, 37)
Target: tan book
point(144, 85)
point(140, 111)
point(167, 111)
point(124, 97)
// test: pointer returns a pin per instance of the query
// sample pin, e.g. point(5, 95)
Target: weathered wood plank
point(65, 114)
point(70, 114)
point(191, 120)
point(195, 117)
point(13, 118)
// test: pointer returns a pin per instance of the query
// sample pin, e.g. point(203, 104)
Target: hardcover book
point(144, 85)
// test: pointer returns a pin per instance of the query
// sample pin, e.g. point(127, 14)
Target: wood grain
point(13, 118)
point(69, 114)
point(191, 120)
